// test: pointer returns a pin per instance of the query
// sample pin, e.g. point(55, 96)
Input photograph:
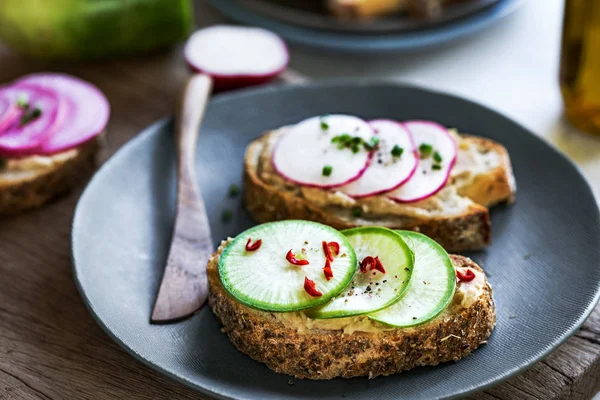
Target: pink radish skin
point(236, 56)
point(9, 111)
point(381, 178)
point(87, 111)
point(20, 141)
point(423, 132)
point(305, 148)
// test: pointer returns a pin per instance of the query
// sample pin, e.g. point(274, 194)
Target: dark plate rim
point(340, 82)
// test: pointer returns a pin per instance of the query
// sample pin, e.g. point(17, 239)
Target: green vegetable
point(397, 151)
point(83, 29)
point(374, 141)
point(327, 170)
point(30, 116)
point(357, 211)
point(226, 216)
point(425, 150)
point(437, 157)
point(436, 167)
point(234, 190)
point(324, 124)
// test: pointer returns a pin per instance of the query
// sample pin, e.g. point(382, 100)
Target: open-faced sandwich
point(316, 303)
point(49, 125)
point(344, 172)
point(374, 8)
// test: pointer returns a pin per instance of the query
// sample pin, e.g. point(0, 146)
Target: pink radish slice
point(386, 172)
point(87, 111)
point(22, 140)
point(427, 180)
point(236, 56)
point(305, 150)
point(9, 112)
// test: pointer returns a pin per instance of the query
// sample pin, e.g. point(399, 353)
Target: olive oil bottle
point(580, 64)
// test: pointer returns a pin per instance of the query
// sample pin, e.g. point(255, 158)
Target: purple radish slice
point(394, 161)
point(236, 56)
point(306, 155)
point(437, 155)
point(87, 111)
point(9, 111)
point(23, 138)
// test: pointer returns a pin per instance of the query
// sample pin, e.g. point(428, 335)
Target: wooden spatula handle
point(184, 287)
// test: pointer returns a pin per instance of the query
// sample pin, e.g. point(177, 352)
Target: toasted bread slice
point(293, 344)
point(33, 181)
point(456, 217)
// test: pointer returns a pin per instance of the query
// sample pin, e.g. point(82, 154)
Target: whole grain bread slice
point(296, 348)
point(457, 217)
point(32, 182)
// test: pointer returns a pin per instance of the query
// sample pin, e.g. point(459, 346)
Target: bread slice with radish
point(50, 126)
point(447, 197)
point(444, 318)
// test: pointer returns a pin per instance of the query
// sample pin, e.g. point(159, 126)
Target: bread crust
point(469, 230)
point(326, 354)
point(50, 183)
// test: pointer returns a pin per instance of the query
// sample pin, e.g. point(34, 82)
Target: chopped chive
point(234, 190)
point(324, 124)
point(355, 148)
point(357, 211)
point(437, 157)
point(31, 116)
point(425, 150)
point(226, 216)
point(22, 102)
point(327, 170)
point(397, 151)
point(436, 167)
point(373, 142)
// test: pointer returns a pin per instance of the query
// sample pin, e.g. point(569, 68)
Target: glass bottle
point(580, 64)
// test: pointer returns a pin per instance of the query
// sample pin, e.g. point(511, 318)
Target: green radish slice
point(372, 290)
point(431, 288)
point(261, 276)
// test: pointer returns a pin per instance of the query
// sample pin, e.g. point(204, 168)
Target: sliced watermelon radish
point(394, 161)
point(9, 111)
point(87, 110)
point(312, 152)
point(437, 155)
point(236, 56)
point(43, 117)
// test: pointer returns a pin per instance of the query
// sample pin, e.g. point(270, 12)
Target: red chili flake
point(327, 251)
point(368, 261)
point(327, 270)
point(291, 257)
point(254, 246)
point(335, 246)
point(311, 287)
point(465, 277)
point(379, 266)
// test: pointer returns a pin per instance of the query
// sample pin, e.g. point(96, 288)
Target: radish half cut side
point(24, 139)
point(236, 56)
point(87, 111)
point(431, 175)
point(9, 111)
point(386, 171)
point(305, 153)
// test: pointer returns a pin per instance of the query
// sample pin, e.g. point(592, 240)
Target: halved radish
point(437, 155)
point(87, 110)
point(9, 111)
point(310, 153)
point(43, 117)
point(236, 56)
point(393, 163)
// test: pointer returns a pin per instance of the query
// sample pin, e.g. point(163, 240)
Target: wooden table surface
point(51, 348)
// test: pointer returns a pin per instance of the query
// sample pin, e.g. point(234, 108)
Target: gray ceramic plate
point(543, 264)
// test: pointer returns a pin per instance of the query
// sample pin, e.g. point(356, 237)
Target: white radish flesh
point(306, 155)
point(386, 171)
point(434, 168)
point(87, 110)
point(236, 56)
